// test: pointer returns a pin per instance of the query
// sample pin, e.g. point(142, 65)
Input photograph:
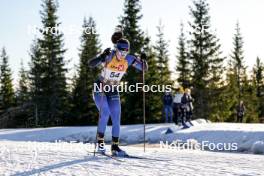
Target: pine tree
point(238, 61)
point(258, 71)
point(183, 63)
point(229, 95)
point(55, 95)
point(6, 87)
point(36, 82)
point(152, 77)
point(130, 23)
point(162, 54)
point(84, 106)
point(259, 77)
point(215, 84)
point(242, 87)
point(250, 99)
point(23, 89)
point(204, 54)
point(232, 90)
point(132, 102)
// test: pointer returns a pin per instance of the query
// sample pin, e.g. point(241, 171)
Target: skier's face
point(121, 54)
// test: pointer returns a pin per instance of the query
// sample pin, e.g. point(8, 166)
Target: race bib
point(112, 75)
point(115, 70)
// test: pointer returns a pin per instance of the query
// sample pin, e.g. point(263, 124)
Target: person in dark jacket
point(240, 109)
point(187, 107)
point(167, 107)
point(177, 105)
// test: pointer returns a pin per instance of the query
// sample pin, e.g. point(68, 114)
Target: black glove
point(106, 52)
point(143, 56)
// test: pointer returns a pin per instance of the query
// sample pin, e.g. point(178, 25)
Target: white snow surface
point(26, 152)
point(73, 159)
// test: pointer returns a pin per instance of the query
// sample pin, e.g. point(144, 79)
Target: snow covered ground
point(34, 152)
point(69, 161)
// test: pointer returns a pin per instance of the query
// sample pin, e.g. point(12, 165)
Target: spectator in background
point(167, 107)
point(177, 105)
point(240, 109)
point(187, 107)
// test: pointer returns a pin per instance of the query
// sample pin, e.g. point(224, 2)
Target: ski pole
point(144, 112)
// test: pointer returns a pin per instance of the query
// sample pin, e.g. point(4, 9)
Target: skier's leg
point(241, 119)
point(166, 113)
point(170, 114)
point(179, 112)
point(191, 113)
point(115, 111)
point(175, 113)
point(183, 116)
point(188, 116)
point(102, 106)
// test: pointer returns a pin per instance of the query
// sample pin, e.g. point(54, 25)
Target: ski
point(119, 158)
point(108, 155)
point(111, 156)
point(142, 157)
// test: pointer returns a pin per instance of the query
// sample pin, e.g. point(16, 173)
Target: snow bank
point(248, 137)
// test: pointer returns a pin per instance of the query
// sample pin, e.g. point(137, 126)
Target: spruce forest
point(46, 96)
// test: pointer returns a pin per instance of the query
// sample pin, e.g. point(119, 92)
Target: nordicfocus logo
point(56, 30)
point(124, 87)
point(192, 144)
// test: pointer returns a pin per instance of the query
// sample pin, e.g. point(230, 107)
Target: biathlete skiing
point(115, 64)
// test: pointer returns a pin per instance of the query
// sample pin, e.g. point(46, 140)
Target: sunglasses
point(123, 52)
point(123, 49)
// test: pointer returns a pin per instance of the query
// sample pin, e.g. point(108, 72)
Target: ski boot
point(100, 143)
point(115, 150)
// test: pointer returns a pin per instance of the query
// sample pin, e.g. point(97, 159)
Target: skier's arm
point(95, 61)
point(139, 63)
point(99, 59)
